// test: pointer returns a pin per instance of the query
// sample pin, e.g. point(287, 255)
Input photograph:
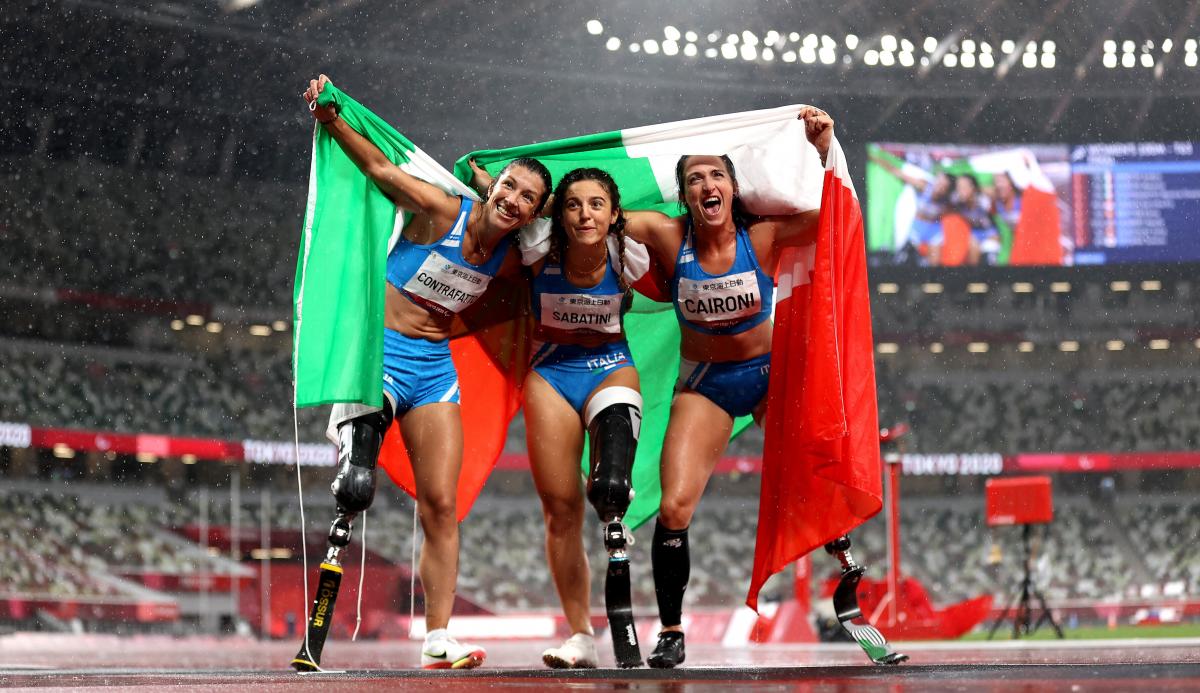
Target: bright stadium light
point(214, 327)
point(977, 288)
point(260, 330)
point(937, 347)
point(968, 46)
point(930, 44)
point(670, 47)
point(1128, 60)
point(789, 56)
point(1025, 347)
point(1068, 346)
point(1147, 60)
point(827, 56)
point(1168, 44)
point(906, 59)
point(1060, 287)
point(691, 36)
point(871, 57)
point(690, 50)
point(932, 288)
point(749, 38)
point(749, 52)
point(1110, 46)
point(710, 52)
point(811, 41)
point(950, 60)
point(1110, 60)
point(732, 38)
point(771, 37)
point(978, 347)
point(888, 43)
point(828, 42)
point(1159, 344)
point(1120, 285)
point(1048, 60)
point(195, 320)
point(177, 325)
point(1151, 285)
point(967, 60)
point(851, 42)
point(650, 46)
point(1128, 46)
point(906, 45)
point(768, 55)
point(594, 27)
point(1114, 345)
point(794, 37)
point(1190, 60)
point(1048, 47)
point(888, 288)
point(888, 348)
point(1007, 46)
point(635, 48)
point(985, 47)
point(1029, 60)
point(987, 61)
point(713, 37)
point(1022, 288)
point(808, 55)
point(671, 33)
point(1190, 45)
point(613, 43)
point(729, 51)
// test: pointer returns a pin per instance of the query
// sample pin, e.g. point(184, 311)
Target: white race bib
point(720, 299)
point(445, 284)
point(598, 313)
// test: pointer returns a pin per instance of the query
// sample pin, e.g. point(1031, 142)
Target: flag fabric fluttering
point(821, 473)
point(778, 172)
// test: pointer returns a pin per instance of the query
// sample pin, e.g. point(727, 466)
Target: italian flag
point(778, 173)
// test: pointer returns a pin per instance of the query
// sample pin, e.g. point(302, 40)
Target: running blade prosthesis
point(845, 603)
point(617, 599)
point(330, 579)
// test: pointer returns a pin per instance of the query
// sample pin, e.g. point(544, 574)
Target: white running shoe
point(442, 651)
point(578, 652)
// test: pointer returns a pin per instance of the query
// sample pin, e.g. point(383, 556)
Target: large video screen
point(1135, 203)
point(952, 205)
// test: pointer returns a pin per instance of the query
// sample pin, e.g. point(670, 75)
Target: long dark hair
point(740, 216)
point(534, 166)
point(558, 234)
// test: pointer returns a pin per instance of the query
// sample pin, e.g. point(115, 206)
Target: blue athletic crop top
point(559, 305)
point(436, 276)
point(728, 303)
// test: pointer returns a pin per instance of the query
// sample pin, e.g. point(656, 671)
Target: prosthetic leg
point(845, 604)
point(613, 421)
point(353, 490)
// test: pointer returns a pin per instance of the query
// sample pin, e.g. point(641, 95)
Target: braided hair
point(558, 234)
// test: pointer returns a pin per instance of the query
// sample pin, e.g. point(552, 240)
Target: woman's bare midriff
point(697, 346)
point(411, 320)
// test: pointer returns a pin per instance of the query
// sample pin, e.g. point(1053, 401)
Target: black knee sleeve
point(672, 568)
point(358, 448)
point(614, 418)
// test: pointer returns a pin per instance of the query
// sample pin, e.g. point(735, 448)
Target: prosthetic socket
point(614, 418)
point(353, 490)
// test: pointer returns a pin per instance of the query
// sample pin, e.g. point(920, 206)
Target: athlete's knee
point(438, 510)
point(613, 418)
point(359, 440)
point(563, 515)
point(675, 514)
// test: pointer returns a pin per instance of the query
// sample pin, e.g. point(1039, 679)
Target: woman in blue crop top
point(449, 251)
point(581, 380)
point(720, 262)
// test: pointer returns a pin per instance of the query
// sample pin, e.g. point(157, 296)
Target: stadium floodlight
point(1197, 342)
point(1120, 285)
point(177, 325)
point(1114, 345)
point(1025, 347)
point(887, 348)
point(851, 42)
point(63, 451)
point(985, 47)
point(714, 36)
point(1167, 45)
point(887, 59)
point(828, 56)
point(932, 288)
point(987, 61)
point(768, 55)
point(594, 27)
point(729, 51)
point(670, 47)
point(968, 46)
point(613, 43)
point(749, 52)
point(188, 459)
point(1048, 46)
point(1128, 60)
point(937, 347)
point(930, 44)
point(811, 41)
point(950, 60)
point(1190, 60)
point(1160, 344)
point(1190, 45)
point(710, 52)
point(194, 320)
point(749, 39)
point(1110, 46)
point(650, 46)
point(146, 457)
point(1029, 60)
point(978, 347)
point(906, 59)
point(260, 330)
point(691, 36)
point(279, 325)
point(771, 37)
point(888, 288)
point(794, 37)
point(871, 57)
point(1007, 46)
point(1147, 60)
point(1151, 285)
point(214, 327)
point(1048, 61)
point(888, 43)
point(977, 288)
point(635, 48)
point(1060, 287)
point(690, 50)
point(967, 60)
point(789, 56)
point(828, 42)
point(671, 33)
point(1128, 46)
point(1022, 288)
point(808, 55)
point(1110, 60)
point(1069, 346)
